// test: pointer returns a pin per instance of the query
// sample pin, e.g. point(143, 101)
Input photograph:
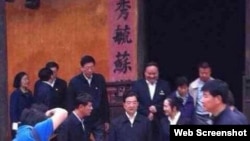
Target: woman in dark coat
point(20, 99)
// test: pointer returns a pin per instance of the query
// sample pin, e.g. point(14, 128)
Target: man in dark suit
point(94, 84)
point(151, 93)
point(59, 85)
point(44, 93)
point(214, 100)
point(73, 128)
point(130, 126)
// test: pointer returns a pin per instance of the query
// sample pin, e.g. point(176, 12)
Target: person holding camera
point(37, 125)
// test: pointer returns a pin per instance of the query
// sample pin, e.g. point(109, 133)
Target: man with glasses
point(93, 83)
point(59, 85)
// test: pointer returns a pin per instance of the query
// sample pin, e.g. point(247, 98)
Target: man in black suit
point(44, 93)
point(130, 126)
point(94, 84)
point(59, 85)
point(73, 128)
point(151, 93)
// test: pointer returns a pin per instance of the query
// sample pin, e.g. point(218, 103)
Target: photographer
point(35, 125)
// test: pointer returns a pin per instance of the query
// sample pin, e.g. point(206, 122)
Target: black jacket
point(122, 130)
point(97, 89)
point(72, 130)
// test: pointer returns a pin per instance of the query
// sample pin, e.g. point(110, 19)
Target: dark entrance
point(181, 33)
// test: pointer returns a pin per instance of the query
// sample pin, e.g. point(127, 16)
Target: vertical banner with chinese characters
point(122, 18)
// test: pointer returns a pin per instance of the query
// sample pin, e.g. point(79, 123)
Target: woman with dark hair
point(173, 116)
point(20, 99)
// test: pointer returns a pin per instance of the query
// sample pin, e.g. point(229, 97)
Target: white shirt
point(53, 82)
point(131, 119)
point(184, 98)
point(81, 120)
point(47, 82)
point(88, 79)
point(151, 89)
point(175, 120)
point(196, 93)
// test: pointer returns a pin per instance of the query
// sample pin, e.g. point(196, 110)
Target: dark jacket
point(165, 127)
point(229, 117)
point(18, 102)
point(44, 94)
point(60, 89)
point(240, 115)
point(161, 92)
point(72, 130)
point(122, 130)
point(187, 109)
point(97, 90)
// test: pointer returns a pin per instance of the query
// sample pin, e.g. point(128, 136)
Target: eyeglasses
point(89, 67)
point(131, 102)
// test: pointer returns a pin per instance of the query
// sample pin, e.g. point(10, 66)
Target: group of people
point(53, 92)
point(150, 106)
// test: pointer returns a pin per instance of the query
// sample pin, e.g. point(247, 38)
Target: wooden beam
point(3, 76)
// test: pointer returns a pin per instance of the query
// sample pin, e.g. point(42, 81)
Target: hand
point(50, 113)
point(106, 127)
point(152, 109)
point(150, 116)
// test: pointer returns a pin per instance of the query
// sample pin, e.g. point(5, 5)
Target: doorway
point(180, 34)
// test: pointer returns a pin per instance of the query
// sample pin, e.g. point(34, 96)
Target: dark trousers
point(97, 129)
point(13, 133)
point(155, 125)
